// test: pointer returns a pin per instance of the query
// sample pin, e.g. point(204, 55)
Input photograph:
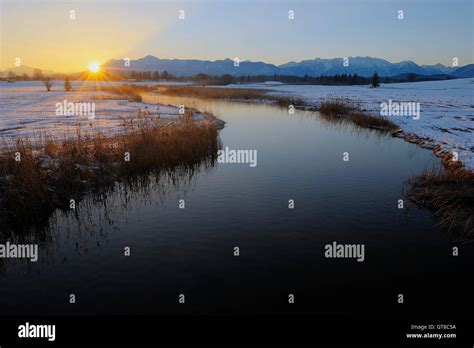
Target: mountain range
point(24, 69)
point(363, 66)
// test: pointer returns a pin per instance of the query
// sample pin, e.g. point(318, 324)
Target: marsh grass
point(449, 194)
point(330, 110)
point(343, 111)
point(48, 176)
point(212, 92)
point(246, 94)
point(130, 92)
point(336, 108)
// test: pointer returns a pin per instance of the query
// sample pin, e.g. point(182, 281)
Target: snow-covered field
point(27, 110)
point(446, 118)
point(446, 108)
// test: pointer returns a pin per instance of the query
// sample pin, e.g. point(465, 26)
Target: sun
point(94, 67)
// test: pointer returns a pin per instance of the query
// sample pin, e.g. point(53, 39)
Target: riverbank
point(39, 174)
point(444, 109)
point(116, 115)
point(448, 192)
point(175, 250)
point(333, 109)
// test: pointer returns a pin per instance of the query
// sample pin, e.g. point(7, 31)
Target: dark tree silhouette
point(375, 80)
point(48, 83)
point(67, 84)
point(37, 75)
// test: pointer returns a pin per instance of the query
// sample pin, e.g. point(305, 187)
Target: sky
point(43, 34)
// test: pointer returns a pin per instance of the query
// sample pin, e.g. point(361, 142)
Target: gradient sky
point(42, 35)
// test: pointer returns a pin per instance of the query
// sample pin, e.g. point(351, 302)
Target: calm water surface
point(190, 250)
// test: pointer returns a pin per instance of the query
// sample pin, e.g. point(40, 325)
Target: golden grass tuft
point(336, 108)
point(49, 175)
point(449, 194)
point(212, 92)
point(342, 111)
point(246, 94)
point(331, 110)
point(130, 92)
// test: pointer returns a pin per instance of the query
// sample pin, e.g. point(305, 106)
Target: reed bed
point(37, 179)
point(449, 194)
point(342, 111)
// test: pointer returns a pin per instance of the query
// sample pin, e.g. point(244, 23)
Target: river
point(190, 251)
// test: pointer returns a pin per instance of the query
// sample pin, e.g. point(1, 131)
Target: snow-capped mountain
point(465, 71)
point(363, 66)
point(24, 69)
point(190, 67)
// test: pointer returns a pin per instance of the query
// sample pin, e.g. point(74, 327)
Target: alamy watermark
point(393, 108)
point(66, 108)
point(28, 330)
point(237, 156)
point(345, 251)
point(28, 251)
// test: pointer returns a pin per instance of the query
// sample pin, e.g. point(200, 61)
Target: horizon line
point(242, 61)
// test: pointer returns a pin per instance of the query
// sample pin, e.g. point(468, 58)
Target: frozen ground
point(447, 108)
point(27, 110)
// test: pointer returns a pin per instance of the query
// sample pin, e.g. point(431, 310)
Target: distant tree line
point(226, 79)
point(205, 79)
point(343, 79)
point(150, 76)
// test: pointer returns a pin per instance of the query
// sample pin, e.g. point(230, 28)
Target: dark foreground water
point(190, 251)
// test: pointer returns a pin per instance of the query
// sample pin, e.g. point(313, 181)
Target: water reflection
point(109, 200)
point(191, 250)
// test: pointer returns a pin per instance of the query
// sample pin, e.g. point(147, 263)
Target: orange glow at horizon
point(65, 45)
